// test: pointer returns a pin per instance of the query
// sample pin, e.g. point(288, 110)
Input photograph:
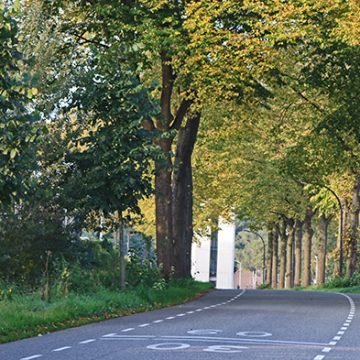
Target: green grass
point(27, 315)
point(350, 289)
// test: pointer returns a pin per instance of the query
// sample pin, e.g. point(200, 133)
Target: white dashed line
point(332, 343)
point(327, 349)
point(190, 312)
point(129, 329)
point(337, 338)
point(319, 357)
point(143, 325)
point(62, 348)
point(170, 318)
point(341, 332)
point(32, 357)
point(87, 341)
point(198, 310)
point(157, 321)
point(109, 335)
point(180, 315)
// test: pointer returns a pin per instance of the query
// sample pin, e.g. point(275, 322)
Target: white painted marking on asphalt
point(238, 340)
point(109, 335)
point(190, 312)
point(327, 349)
point(332, 343)
point(198, 310)
point(225, 348)
point(127, 330)
point(180, 315)
point(319, 357)
point(346, 324)
point(343, 328)
point(143, 325)
point(157, 321)
point(253, 333)
point(336, 338)
point(62, 348)
point(171, 346)
point(31, 357)
point(170, 318)
point(87, 341)
point(341, 332)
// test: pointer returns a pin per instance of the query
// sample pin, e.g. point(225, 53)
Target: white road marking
point(336, 338)
point(253, 333)
point(109, 335)
point(332, 343)
point(198, 310)
point(319, 357)
point(225, 348)
point(170, 318)
point(31, 357)
point(62, 348)
point(344, 328)
point(327, 349)
point(238, 340)
point(346, 324)
point(157, 321)
point(87, 341)
point(143, 325)
point(341, 332)
point(127, 330)
point(190, 312)
point(171, 346)
point(180, 315)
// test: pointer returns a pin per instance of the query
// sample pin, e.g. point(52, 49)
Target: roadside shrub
point(338, 282)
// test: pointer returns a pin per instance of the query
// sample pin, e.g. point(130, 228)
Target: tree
point(18, 132)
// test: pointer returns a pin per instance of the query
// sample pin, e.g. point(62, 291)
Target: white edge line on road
point(61, 349)
point(87, 341)
point(32, 357)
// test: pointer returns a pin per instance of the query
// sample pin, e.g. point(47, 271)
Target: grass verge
point(26, 315)
point(344, 290)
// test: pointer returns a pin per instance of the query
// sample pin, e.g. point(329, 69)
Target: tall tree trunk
point(308, 234)
point(163, 206)
point(120, 231)
point(269, 256)
point(322, 242)
point(289, 252)
point(182, 197)
point(353, 230)
point(282, 238)
point(274, 272)
point(163, 171)
point(298, 252)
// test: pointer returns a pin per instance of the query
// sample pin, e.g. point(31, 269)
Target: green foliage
point(17, 131)
point(27, 315)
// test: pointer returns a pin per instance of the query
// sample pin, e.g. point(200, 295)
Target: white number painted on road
point(168, 346)
point(204, 332)
point(253, 334)
point(225, 348)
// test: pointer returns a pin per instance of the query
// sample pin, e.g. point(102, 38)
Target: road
point(225, 324)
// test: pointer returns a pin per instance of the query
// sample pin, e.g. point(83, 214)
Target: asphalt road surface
point(225, 324)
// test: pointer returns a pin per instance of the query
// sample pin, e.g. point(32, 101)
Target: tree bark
point(269, 256)
point(289, 252)
point(353, 230)
point(120, 231)
point(182, 199)
point(163, 210)
point(322, 242)
point(308, 234)
point(274, 271)
point(163, 172)
point(298, 252)
point(282, 238)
